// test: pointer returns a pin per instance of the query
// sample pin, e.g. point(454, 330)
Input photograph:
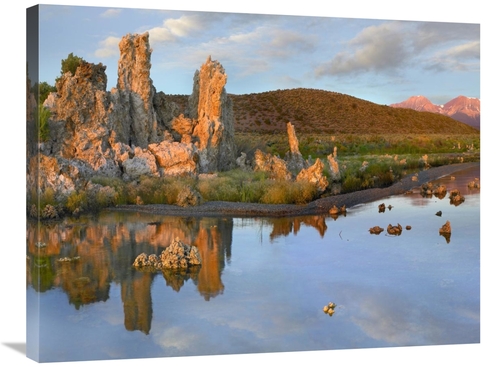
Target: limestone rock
point(446, 228)
point(166, 111)
point(275, 166)
point(142, 164)
point(295, 161)
point(395, 230)
point(183, 125)
point(456, 197)
point(314, 174)
point(80, 116)
point(135, 84)
point(57, 174)
point(242, 163)
point(188, 197)
point(292, 139)
point(334, 167)
point(174, 158)
point(212, 109)
point(376, 230)
point(334, 210)
point(177, 255)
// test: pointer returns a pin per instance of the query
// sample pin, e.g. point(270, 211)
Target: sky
point(379, 60)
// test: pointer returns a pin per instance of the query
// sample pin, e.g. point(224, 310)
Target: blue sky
point(383, 61)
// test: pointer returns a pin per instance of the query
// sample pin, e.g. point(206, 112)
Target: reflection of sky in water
point(413, 289)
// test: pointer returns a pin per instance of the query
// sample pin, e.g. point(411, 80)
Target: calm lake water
point(263, 282)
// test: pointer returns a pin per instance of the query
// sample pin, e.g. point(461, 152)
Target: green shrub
point(76, 200)
point(70, 64)
point(42, 120)
point(351, 183)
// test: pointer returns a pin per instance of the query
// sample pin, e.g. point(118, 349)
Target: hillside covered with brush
point(318, 111)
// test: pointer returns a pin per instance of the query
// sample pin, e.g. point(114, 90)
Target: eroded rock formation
point(212, 110)
point(314, 174)
point(177, 255)
point(132, 130)
point(295, 161)
point(275, 166)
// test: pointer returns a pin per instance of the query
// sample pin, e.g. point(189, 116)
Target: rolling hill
point(318, 111)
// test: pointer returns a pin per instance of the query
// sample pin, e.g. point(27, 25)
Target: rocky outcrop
point(132, 131)
point(135, 88)
point(456, 197)
point(376, 230)
point(275, 166)
point(334, 166)
point(395, 230)
point(314, 174)
point(445, 231)
point(212, 111)
point(174, 158)
point(177, 255)
point(294, 160)
point(188, 197)
point(143, 163)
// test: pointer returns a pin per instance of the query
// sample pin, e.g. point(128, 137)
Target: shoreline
point(317, 207)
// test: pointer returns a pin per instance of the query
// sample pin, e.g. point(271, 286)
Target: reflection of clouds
point(178, 338)
point(389, 320)
point(393, 319)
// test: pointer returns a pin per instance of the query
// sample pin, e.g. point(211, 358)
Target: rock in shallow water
point(177, 255)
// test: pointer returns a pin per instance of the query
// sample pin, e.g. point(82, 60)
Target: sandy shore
point(320, 206)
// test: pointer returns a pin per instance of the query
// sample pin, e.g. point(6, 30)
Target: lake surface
point(263, 282)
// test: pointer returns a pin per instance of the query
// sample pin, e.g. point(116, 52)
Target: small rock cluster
point(177, 255)
point(428, 189)
point(456, 198)
point(334, 210)
point(474, 184)
point(330, 308)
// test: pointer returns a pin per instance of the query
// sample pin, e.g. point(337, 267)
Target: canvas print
point(208, 183)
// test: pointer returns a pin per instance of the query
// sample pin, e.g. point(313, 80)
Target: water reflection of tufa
point(285, 225)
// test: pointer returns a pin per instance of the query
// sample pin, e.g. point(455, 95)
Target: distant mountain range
point(463, 109)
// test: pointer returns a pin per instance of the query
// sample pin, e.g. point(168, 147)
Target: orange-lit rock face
point(212, 109)
point(131, 131)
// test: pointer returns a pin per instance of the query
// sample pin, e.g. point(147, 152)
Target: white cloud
point(375, 48)
point(160, 35)
point(108, 47)
point(468, 50)
point(111, 13)
point(429, 34)
point(286, 43)
point(184, 26)
point(459, 58)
